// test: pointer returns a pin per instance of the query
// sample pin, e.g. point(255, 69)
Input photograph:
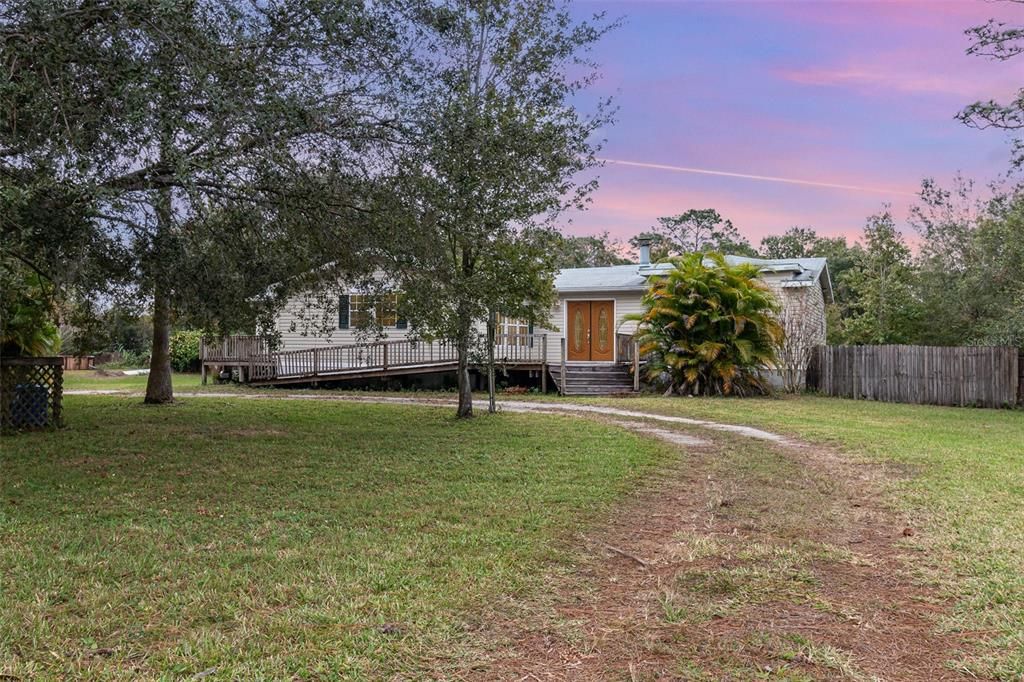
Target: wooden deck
point(258, 365)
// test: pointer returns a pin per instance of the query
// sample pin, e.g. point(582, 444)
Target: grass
point(272, 540)
point(81, 380)
point(959, 472)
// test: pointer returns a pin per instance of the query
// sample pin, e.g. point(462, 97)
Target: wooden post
point(544, 364)
point(561, 377)
point(316, 361)
point(636, 365)
point(491, 324)
point(202, 371)
point(385, 347)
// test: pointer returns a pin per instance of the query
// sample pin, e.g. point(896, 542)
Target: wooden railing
point(625, 347)
point(233, 349)
point(520, 349)
point(627, 350)
point(385, 355)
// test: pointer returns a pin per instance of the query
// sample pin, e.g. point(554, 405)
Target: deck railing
point(517, 349)
point(233, 348)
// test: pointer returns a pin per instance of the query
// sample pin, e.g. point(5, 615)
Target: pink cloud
point(884, 80)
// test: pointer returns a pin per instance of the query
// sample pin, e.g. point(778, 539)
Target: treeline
point(963, 283)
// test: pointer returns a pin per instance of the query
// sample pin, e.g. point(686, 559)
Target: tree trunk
point(158, 387)
point(465, 408)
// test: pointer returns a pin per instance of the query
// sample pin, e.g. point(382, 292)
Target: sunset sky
point(857, 94)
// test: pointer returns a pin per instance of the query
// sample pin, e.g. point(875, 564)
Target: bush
point(129, 359)
point(26, 314)
point(709, 329)
point(185, 350)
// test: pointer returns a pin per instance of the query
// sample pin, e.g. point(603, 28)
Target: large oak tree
point(197, 150)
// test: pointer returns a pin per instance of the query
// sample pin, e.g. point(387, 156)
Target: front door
point(590, 334)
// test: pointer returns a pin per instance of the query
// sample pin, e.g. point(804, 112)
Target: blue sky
point(860, 94)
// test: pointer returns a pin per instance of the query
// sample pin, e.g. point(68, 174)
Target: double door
point(590, 331)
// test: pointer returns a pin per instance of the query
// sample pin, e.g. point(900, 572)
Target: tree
point(212, 146)
point(970, 262)
point(1001, 42)
point(496, 145)
point(796, 242)
point(882, 306)
point(701, 230)
point(589, 252)
point(27, 312)
point(709, 329)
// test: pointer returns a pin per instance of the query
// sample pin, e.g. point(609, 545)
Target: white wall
point(299, 324)
point(626, 302)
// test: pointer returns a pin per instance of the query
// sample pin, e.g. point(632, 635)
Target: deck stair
point(593, 378)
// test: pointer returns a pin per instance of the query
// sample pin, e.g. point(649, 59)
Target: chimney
point(645, 250)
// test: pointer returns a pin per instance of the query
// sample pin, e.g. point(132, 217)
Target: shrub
point(709, 328)
point(26, 315)
point(129, 359)
point(185, 350)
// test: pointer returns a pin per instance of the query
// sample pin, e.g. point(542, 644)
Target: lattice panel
point(31, 390)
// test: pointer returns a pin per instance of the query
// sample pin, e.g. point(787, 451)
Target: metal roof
point(802, 272)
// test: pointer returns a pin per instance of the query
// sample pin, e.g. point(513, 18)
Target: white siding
point(305, 322)
point(626, 302)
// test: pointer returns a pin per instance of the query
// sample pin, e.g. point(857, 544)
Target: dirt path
point(757, 556)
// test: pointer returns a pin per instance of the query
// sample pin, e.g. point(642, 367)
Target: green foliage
point(185, 350)
point(883, 307)
point(498, 147)
point(699, 230)
point(134, 147)
point(26, 313)
point(970, 265)
point(129, 359)
point(708, 328)
point(590, 252)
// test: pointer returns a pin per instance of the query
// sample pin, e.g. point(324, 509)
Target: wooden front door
point(590, 331)
point(602, 326)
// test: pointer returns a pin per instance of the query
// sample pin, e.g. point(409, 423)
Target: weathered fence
point(983, 376)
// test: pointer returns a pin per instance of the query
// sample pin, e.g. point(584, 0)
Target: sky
point(851, 102)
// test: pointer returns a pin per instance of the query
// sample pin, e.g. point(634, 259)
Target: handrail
point(384, 355)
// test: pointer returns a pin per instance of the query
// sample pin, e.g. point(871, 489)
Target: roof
point(608, 278)
point(802, 272)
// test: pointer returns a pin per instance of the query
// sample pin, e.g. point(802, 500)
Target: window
point(362, 310)
point(512, 332)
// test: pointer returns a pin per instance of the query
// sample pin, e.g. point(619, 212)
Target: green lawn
point(959, 470)
point(272, 540)
point(282, 538)
point(92, 380)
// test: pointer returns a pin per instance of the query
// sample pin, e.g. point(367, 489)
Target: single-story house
point(588, 317)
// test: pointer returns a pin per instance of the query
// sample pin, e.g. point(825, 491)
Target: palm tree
point(709, 328)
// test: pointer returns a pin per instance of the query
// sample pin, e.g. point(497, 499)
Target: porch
point(258, 365)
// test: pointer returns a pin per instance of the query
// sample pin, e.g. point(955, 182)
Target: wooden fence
point(983, 376)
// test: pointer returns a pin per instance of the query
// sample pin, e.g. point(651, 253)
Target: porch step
point(593, 379)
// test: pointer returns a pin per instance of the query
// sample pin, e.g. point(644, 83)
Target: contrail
point(765, 178)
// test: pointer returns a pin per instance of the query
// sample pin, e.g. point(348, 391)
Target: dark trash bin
point(30, 406)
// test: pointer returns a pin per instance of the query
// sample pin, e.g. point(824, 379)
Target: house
point(587, 347)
